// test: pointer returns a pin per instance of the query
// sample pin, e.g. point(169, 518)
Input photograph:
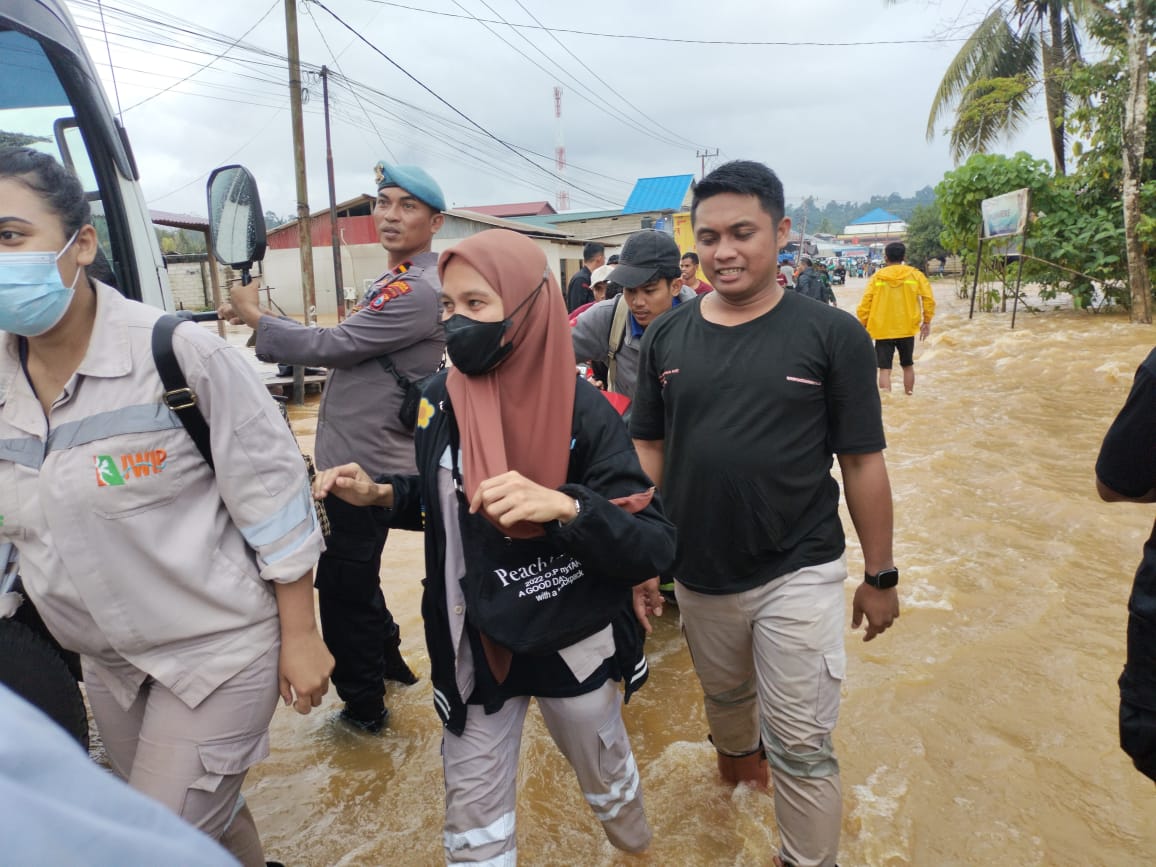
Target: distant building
point(877, 226)
point(517, 209)
point(364, 258)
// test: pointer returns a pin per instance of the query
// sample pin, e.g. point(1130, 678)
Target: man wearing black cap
point(578, 291)
point(610, 331)
point(398, 321)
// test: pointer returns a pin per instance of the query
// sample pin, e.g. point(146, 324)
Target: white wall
point(282, 270)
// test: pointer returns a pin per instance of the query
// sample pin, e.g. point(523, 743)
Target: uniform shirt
point(399, 317)
point(135, 552)
point(751, 415)
point(578, 290)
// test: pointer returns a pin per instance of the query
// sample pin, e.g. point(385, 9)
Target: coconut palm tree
point(1020, 48)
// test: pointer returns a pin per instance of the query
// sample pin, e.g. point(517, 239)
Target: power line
point(680, 40)
point(607, 84)
point(446, 103)
point(207, 65)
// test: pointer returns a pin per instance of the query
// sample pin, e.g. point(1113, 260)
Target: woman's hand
point(304, 670)
point(511, 498)
point(647, 600)
point(349, 482)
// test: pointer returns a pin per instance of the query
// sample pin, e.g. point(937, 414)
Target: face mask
point(33, 298)
point(476, 347)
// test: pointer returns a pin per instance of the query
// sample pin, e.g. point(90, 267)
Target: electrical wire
point(682, 40)
point(607, 84)
point(449, 105)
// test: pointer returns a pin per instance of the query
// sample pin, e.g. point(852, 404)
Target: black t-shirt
point(1127, 465)
point(751, 416)
point(578, 292)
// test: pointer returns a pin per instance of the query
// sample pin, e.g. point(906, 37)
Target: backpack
point(614, 340)
point(182, 400)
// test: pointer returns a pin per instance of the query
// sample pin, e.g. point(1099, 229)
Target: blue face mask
point(33, 298)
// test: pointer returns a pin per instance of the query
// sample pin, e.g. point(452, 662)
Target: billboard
point(1006, 214)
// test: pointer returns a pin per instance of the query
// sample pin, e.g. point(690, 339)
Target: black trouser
point(355, 621)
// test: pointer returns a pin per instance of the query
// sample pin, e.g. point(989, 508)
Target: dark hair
point(693, 256)
point(613, 260)
point(60, 188)
point(747, 178)
point(806, 259)
point(613, 290)
point(591, 251)
point(895, 251)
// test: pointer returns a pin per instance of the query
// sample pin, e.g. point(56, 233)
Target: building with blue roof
point(876, 226)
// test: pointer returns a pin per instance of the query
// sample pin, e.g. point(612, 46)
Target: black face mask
point(476, 347)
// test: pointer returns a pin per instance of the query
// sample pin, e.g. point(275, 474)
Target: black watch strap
point(884, 579)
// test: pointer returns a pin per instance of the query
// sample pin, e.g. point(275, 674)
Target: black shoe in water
point(370, 721)
point(395, 667)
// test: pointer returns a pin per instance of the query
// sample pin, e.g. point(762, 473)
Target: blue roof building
point(876, 216)
point(670, 193)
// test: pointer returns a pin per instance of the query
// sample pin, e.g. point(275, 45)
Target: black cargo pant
point(355, 621)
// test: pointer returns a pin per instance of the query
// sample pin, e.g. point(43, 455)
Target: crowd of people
point(557, 521)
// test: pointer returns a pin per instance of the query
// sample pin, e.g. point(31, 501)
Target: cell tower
point(560, 152)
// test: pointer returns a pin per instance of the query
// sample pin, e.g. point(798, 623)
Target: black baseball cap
point(646, 256)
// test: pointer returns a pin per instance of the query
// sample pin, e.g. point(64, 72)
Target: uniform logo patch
point(388, 293)
point(111, 473)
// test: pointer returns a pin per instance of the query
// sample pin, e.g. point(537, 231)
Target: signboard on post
point(1006, 214)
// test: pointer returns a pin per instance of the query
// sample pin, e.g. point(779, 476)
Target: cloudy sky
point(836, 121)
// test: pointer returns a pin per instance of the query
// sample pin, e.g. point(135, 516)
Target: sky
point(835, 121)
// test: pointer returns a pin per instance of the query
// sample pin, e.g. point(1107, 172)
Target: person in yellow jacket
point(897, 305)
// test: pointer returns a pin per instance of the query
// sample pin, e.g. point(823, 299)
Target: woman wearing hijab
point(539, 523)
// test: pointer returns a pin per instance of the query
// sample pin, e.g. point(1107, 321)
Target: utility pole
point(335, 237)
point(702, 155)
point(304, 239)
point(802, 235)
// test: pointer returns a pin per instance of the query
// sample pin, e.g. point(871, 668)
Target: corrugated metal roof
point(876, 216)
point(569, 217)
point(179, 221)
point(515, 209)
point(658, 194)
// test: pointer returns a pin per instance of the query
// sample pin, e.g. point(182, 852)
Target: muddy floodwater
point(980, 730)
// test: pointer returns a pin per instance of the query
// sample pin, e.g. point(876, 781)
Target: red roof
point(517, 209)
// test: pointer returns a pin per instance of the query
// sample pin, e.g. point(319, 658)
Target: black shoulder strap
point(388, 366)
point(178, 396)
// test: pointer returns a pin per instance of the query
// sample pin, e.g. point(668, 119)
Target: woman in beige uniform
point(187, 590)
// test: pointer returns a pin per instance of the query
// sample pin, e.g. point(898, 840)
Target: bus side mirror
point(236, 220)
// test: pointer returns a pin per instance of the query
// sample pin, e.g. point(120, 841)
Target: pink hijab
point(519, 415)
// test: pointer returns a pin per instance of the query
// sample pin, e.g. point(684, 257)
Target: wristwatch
point(884, 579)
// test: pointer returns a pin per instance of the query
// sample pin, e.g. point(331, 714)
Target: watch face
point(885, 580)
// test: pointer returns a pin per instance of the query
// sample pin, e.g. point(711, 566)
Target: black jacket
point(609, 542)
point(578, 292)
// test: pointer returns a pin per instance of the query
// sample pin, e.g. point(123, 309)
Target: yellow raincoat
point(891, 305)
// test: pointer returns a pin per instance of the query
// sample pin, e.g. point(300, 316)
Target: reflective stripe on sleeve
point(297, 512)
point(502, 828)
point(622, 792)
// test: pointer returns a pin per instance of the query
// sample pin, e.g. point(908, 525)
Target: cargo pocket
point(832, 669)
point(613, 753)
point(228, 756)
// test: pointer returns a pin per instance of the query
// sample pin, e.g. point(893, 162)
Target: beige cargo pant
point(771, 662)
point(194, 760)
point(481, 769)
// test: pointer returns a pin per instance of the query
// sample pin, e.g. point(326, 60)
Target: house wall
point(190, 282)
point(361, 264)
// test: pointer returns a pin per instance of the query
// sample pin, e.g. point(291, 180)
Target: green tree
point(1020, 48)
point(924, 229)
point(19, 139)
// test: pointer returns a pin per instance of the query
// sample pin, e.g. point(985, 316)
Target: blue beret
point(413, 180)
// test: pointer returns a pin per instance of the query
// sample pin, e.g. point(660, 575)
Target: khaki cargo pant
point(771, 662)
point(194, 760)
point(481, 770)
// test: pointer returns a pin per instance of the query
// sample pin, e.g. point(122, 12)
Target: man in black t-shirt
point(744, 397)
point(1126, 472)
point(578, 291)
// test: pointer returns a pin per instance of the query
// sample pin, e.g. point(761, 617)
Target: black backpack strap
point(178, 397)
point(387, 365)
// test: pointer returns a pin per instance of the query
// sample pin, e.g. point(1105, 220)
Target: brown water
point(981, 730)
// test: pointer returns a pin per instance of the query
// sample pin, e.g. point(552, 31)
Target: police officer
point(398, 320)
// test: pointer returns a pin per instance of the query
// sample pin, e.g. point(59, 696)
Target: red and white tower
point(560, 152)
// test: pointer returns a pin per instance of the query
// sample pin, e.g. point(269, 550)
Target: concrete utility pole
point(304, 238)
point(702, 155)
point(335, 236)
